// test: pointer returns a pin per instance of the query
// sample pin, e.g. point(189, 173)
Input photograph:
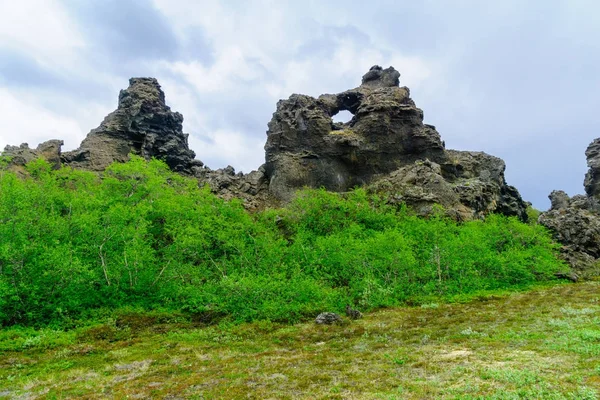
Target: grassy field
point(540, 344)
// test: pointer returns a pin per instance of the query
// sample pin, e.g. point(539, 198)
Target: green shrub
point(140, 236)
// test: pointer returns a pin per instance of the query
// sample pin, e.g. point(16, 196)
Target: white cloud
point(230, 67)
point(343, 70)
point(40, 28)
point(26, 122)
point(245, 153)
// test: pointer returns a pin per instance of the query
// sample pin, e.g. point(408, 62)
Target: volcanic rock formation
point(142, 124)
point(592, 178)
point(385, 144)
point(575, 222)
point(21, 155)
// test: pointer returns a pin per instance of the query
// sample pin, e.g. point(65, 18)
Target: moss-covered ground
point(539, 344)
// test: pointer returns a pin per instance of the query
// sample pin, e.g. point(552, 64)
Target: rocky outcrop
point(251, 188)
point(575, 222)
point(142, 124)
point(21, 155)
point(592, 178)
point(385, 145)
point(305, 148)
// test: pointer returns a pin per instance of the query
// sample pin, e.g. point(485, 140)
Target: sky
point(517, 79)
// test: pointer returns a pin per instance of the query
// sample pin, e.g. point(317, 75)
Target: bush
point(140, 236)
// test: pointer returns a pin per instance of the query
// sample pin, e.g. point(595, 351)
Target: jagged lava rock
point(305, 148)
point(592, 178)
point(251, 188)
point(385, 144)
point(142, 124)
point(575, 222)
point(21, 155)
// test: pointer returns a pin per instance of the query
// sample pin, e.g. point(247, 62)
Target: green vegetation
point(76, 247)
point(539, 344)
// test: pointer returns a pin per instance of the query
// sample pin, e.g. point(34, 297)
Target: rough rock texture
point(21, 155)
point(251, 188)
point(386, 144)
point(592, 178)
point(328, 318)
point(142, 124)
point(575, 222)
point(576, 225)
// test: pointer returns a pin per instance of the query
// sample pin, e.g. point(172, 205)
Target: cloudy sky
point(516, 79)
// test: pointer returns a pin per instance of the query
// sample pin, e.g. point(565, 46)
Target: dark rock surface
point(387, 145)
point(142, 124)
point(468, 185)
point(575, 222)
point(21, 155)
point(592, 178)
point(251, 188)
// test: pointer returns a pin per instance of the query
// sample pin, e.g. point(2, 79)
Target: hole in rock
point(343, 116)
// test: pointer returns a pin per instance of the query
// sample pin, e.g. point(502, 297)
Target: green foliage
point(141, 236)
point(533, 214)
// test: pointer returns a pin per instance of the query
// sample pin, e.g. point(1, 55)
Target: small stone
point(328, 318)
point(353, 314)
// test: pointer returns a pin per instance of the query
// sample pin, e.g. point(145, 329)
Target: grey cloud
point(197, 47)
point(325, 42)
point(536, 90)
point(125, 30)
point(17, 69)
point(20, 71)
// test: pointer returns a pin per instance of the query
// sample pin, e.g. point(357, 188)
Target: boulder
point(328, 318)
point(251, 188)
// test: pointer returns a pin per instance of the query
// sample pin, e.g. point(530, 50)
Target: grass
point(539, 344)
